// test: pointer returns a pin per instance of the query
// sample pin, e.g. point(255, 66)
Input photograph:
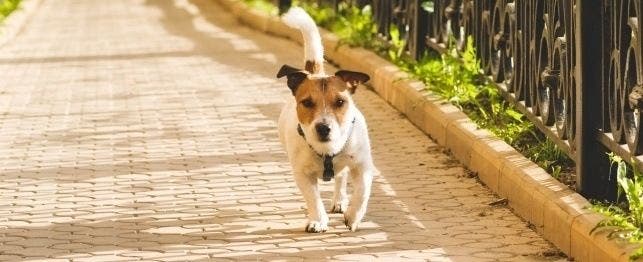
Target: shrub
point(6, 7)
point(626, 220)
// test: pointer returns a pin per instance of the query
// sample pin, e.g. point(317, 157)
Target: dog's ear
point(295, 76)
point(286, 70)
point(352, 78)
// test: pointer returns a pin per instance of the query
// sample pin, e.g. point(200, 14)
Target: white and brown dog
point(323, 132)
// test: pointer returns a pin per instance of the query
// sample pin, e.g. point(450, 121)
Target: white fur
point(355, 161)
point(348, 139)
point(297, 18)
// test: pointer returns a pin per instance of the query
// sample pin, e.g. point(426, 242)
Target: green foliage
point(6, 7)
point(624, 222)
point(458, 80)
point(637, 254)
point(353, 25)
point(395, 49)
point(545, 153)
point(324, 16)
point(263, 6)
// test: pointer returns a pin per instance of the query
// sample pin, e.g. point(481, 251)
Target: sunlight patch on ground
point(389, 191)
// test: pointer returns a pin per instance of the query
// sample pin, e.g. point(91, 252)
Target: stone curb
point(558, 213)
point(14, 23)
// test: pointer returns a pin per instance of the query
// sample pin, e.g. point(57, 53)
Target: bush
point(6, 7)
point(625, 220)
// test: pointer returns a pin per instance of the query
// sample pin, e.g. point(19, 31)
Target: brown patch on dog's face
point(321, 96)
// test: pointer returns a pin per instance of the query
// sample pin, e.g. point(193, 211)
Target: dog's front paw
point(350, 222)
point(339, 207)
point(316, 227)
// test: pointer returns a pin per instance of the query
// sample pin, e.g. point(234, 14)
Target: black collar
point(329, 171)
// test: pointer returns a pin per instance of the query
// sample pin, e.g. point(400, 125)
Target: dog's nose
point(322, 130)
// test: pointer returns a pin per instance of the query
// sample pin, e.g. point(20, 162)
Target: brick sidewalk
point(146, 130)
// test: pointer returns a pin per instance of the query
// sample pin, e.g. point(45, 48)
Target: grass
point(455, 77)
point(625, 220)
point(6, 7)
point(262, 5)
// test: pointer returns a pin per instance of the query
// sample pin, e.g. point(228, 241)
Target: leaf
point(637, 254)
point(428, 6)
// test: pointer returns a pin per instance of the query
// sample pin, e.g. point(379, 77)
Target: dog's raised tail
point(297, 18)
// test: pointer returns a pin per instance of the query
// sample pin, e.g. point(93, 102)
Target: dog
point(324, 133)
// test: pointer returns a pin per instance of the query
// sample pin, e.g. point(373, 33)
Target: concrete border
point(558, 213)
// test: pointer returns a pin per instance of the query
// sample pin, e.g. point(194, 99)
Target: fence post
point(420, 18)
point(592, 164)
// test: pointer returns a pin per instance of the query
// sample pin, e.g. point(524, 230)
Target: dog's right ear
point(295, 76)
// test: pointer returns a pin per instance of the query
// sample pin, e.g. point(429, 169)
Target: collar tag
point(329, 171)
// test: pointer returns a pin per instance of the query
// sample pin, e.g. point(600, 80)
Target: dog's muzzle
point(327, 159)
point(323, 131)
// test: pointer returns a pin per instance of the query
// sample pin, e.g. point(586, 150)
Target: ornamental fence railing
point(574, 68)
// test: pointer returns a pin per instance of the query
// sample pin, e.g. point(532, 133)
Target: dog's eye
point(339, 102)
point(307, 103)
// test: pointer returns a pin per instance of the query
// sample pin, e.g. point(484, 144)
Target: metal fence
point(572, 67)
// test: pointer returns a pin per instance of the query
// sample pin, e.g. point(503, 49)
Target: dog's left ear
point(352, 79)
point(295, 76)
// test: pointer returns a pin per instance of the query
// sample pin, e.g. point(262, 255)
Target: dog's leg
point(361, 178)
point(317, 217)
point(340, 200)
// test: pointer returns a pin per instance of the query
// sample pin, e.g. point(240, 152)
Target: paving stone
point(147, 130)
